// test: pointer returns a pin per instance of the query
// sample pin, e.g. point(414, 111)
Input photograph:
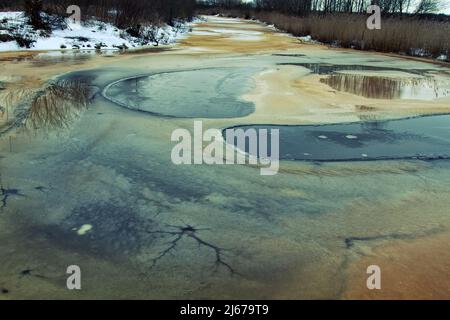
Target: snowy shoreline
point(17, 35)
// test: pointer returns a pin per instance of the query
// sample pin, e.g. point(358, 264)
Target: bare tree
point(33, 10)
point(428, 6)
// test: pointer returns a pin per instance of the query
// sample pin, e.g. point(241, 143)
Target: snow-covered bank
point(17, 34)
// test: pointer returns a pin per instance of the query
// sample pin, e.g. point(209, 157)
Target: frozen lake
point(101, 191)
point(425, 138)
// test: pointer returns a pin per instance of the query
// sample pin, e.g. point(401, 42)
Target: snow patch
point(90, 35)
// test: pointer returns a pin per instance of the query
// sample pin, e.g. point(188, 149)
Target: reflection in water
point(146, 50)
point(58, 104)
point(387, 88)
point(325, 68)
point(43, 60)
point(14, 104)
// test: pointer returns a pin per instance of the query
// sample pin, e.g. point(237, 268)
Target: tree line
point(122, 13)
point(302, 7)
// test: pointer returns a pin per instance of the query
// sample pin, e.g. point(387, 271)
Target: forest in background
point(122, 13)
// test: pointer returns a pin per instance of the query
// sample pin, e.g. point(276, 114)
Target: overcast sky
point(447, 5)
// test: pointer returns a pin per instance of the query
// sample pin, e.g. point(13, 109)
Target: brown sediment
point(352, 168)
point(410, 269)
point(16, 56)
point(216, 42)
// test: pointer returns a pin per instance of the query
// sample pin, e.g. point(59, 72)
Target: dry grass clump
point(408, 35)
